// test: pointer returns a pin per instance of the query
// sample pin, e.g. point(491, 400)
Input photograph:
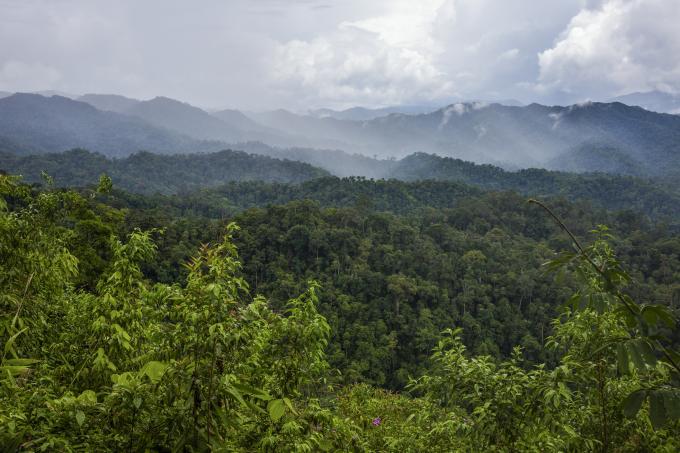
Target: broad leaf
point(154, 370)
point(657, 412)
point(276, 409)
point(633, 402)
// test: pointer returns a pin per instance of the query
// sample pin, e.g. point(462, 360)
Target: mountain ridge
point(57, 123)
point(656, 101)
point(637, 141)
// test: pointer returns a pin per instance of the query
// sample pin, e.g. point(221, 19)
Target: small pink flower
point(376, 421)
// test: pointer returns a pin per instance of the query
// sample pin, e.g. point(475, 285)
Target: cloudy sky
point(299, 54)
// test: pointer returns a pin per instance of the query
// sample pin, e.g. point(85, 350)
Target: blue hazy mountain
point(610, 137)
point(656, 101)
point(37, 123)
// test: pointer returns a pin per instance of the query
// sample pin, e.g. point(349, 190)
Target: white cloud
point(618, 47)
point(417, 51)
point(385, 59)
point(460, 109)
point(308, 53)
point(489, 47)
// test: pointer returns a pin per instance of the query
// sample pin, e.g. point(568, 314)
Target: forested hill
point(529, 181)
point(152, 173)
point(116, 342)
point(397, 262)
point(530, 136)
point(604, 192)
point(149, 173)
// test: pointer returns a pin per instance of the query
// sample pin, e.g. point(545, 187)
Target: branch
point(600, 272)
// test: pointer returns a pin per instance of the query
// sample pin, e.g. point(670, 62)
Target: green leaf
point(10, 342)
point(635, 355)
point(633, 402)
point(20, 362)
point(646, 352)
point(14, 370)
point(671, 401)
point(652, 314)
point(289, 405)
point(276, 409)
point(88, 397)
point(657, 412)
point(236, 394)
point(622, 359)
point(251, 391)
point(325, 445)
point(80, 417)
point(154, 370)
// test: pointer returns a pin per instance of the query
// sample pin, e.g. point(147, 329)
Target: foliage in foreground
point(136, 366)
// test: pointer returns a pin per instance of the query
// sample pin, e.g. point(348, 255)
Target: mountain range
point(38, 124)
point(365, 114)
point(610, 137)
point(656, 101)
point(148, 173)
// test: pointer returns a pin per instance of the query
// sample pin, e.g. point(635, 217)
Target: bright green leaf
point(276, 409)
point(80, 417)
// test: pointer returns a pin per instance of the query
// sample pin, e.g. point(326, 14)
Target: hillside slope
point(510, 136)
point(57, 123)
point(152, 173)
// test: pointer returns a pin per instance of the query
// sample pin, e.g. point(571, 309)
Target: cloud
point(381, 60)
point(419, 51)
point(460, 109)
point(618, 47)
point(26, 76)
point(489, 47)
point(309, 53)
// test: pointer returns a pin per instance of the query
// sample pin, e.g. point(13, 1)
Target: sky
point(303, 54)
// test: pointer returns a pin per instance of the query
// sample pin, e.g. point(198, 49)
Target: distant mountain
point(228, 126)
point(611, 137)
point(364, 114)
point(50, 93)
point(253, 131)
point(153, 173)
point(36, 124)
point(590, 157)
point(109, 102)
point(656, 101)
point(4, 94)
point(186, 119)
point(335, 161)
point(43, 124)
point(611, 192)
point(530, 136)
point(318, 132)
point(237, 119)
